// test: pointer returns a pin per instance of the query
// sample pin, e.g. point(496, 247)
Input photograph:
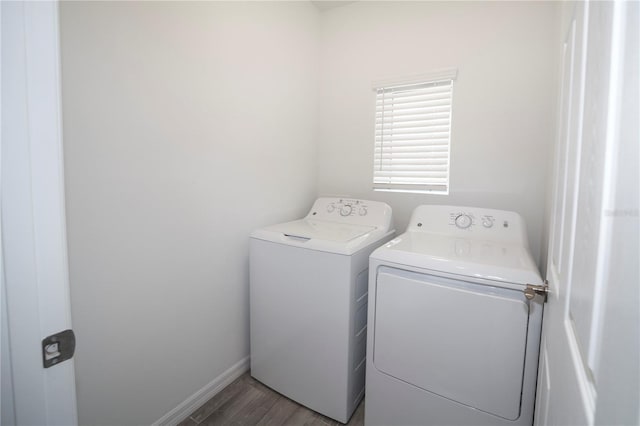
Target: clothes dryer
point(453, 338)
point(308, 302)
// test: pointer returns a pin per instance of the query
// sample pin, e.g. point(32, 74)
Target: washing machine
point(308, 303)
point(455, 312)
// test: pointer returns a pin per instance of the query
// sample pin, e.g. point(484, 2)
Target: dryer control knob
point(463, 221)
point(363, 211)
point(346, 210)
point(331, 207)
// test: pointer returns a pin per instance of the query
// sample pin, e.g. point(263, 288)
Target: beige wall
point(503, 103)
point(186, 125)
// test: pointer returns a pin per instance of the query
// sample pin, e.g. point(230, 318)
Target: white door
point(35, 289)
point(590, 358)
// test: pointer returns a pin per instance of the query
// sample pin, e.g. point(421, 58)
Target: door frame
point(35, 279)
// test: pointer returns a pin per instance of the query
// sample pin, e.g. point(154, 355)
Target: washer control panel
point(347, 207)
point(471, 222)
point(352, 211)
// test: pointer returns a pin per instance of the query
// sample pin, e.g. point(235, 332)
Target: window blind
point(412, 137)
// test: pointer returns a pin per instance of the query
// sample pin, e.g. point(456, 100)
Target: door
point(35, 289)
point(589, 361)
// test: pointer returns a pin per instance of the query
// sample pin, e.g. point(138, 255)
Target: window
point(413, 134)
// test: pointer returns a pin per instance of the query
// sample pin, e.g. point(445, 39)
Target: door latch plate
point(58, 347)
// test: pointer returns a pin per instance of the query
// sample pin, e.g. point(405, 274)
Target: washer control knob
point(463, 221)
point(346, 210)
point(363, 211)
point(487, 222)
point(331, 207)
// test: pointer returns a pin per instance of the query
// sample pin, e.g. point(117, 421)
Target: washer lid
point(321, 230)
point(320, 235)
point(489, 260)
point(334, 225)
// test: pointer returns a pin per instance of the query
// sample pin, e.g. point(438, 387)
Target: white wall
point(186, 125)
point(504, 98)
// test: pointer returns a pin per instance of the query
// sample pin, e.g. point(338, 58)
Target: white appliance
point(452, 339)
point(308, 303)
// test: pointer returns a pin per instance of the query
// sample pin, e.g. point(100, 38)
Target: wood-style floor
point(247, 402)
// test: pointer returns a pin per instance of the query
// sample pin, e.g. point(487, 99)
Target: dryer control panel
point(467, 219)
point(469, 222)
point(352, 211)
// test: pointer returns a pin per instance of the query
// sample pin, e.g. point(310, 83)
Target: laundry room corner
point(504, 102)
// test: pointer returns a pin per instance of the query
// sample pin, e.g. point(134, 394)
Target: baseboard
point(192, 403)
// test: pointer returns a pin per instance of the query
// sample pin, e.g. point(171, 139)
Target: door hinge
point(58, 347)
point(531, 290)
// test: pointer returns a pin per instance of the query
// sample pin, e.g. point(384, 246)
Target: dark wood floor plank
point(222, 397)
point(358, 416)
point(302, 416)
point(279, 412)
point(253, 412)
point(229, 409)
point(188, 422)
point(247, 402)
point(324, 421)
point(258, 385)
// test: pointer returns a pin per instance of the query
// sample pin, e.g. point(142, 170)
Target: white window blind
point(412, 136)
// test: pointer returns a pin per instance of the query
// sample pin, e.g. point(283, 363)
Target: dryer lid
point(472, 258)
